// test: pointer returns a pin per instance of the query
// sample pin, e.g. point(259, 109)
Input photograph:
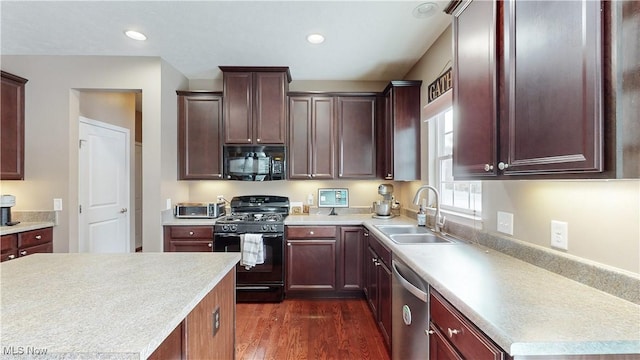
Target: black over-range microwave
point(254, 162)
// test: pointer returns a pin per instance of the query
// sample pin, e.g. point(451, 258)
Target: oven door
point(271, 272)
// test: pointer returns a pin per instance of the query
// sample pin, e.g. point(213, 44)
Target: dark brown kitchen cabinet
point(188, 238)
point(199, 135)
point(350, 262)
point(255, 104)
point(356, 137)
point(378, 285)
point(399, 131)
point(12, 127)
point(453, 336)
point(527, 103)
point(312, 137)
point(311, 259)
point(26, 243)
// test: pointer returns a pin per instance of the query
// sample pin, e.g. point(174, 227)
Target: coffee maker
point(382, 208)
point(6, 202)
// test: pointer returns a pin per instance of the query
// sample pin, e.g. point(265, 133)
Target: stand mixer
point(382, 208)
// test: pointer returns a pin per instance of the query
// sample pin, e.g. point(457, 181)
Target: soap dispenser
point(422, 217)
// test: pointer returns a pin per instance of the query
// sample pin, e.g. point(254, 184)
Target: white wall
point(603, 216)
point(51, 133)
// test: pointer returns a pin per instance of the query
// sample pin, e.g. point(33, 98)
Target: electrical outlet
point(560, 235)
point(220, 198)
point(505, 222)
point(216, 321)
point(57, 204)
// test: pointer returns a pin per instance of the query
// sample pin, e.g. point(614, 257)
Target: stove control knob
point(225, 227)
point(265, 227)
point(234, 227)
point(273, 228)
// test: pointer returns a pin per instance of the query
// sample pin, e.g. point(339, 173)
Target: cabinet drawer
point(311, 232)
point(35, 237)
point(462, 334)
point(192, 232)
point(8, 242)
point(42, 248)
point(383, 253)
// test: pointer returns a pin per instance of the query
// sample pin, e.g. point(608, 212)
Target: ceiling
point(365, 40)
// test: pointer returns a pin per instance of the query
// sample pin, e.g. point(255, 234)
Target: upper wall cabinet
point(399, 131)
point(12, 127)
point(357, 137)
point(312, 136)
point(199, 135)
point(255, 104)
point(528, 92)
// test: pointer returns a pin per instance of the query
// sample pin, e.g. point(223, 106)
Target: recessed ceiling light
point(135, 35)
point(315, 38)
point(425, 10)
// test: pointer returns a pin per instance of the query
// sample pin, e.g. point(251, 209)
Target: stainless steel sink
point(411, 234)
point(418, 239)
point(402, 229)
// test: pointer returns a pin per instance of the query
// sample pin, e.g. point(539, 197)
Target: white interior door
point(104, 188)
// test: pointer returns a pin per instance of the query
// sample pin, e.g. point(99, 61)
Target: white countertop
point(115, 306)
point(525, 309)
point(25, 226)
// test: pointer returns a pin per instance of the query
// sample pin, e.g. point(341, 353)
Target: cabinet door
point(439, 347)
point(238, 107)
point(12, 127)
point(356, 137)
point(8, 247)
point(186, 245)
point(270, 115)
point(553, 87)
point(475, 90)
point(200, 137)
point(372, 281)
point(384, 310)
point(42, 248)
point(299, 156)
point(311, 265)
point(350, 258)
point(323, 138)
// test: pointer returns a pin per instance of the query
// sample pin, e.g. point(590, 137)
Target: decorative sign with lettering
point(442, 84)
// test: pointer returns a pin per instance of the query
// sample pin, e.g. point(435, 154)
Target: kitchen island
point(117, 306)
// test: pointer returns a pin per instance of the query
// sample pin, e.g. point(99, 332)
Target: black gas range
point(262, 216)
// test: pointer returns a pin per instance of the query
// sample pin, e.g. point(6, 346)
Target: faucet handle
point(441, 221)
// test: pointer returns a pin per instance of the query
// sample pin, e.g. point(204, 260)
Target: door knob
point(123, 210)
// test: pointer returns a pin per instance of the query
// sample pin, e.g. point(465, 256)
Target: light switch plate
point(560, 235)
point(168, 201)
point(505, 222)
point(57, 204)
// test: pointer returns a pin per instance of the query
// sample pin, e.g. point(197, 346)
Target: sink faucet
point(438, 223)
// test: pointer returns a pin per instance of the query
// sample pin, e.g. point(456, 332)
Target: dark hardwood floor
point(308, 329)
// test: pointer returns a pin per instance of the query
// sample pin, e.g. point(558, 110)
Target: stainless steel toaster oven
point(199, 210)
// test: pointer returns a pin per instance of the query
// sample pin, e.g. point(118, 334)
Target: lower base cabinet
point(195, 338)
point(455, 337)
point(188, 238)
point(26, 243)
point(378, 285)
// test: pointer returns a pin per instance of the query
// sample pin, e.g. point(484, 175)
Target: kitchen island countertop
point(107, 306)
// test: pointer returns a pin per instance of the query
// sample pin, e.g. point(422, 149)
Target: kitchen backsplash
point(34, 216)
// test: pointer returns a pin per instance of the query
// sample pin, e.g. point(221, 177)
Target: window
point(458, 196)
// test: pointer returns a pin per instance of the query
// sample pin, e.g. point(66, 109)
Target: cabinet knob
point(257, 140)
point(311, 233)
point(309, 176)
point(219, 175)
point(488, 167)
point(288, 244)
point(210, 244)
point(249, 140)
point(502, 165)
point(190, 233)
point(366, 234)
point(38, 237)
point(453, 332)
point(11, 257)
point(389, 175)
point(429, 332)
point(23, 252)
point(228, 176)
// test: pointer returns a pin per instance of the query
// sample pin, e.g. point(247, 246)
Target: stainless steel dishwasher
point(410, 314)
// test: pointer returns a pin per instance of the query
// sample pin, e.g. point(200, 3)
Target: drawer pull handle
point(23, 252)
point(428, 332)
point(310, 232)
point(190, 233)
point(38, 237)
point(210, 244)
point(288, 244)
point(453, 332)
point(10, 257)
